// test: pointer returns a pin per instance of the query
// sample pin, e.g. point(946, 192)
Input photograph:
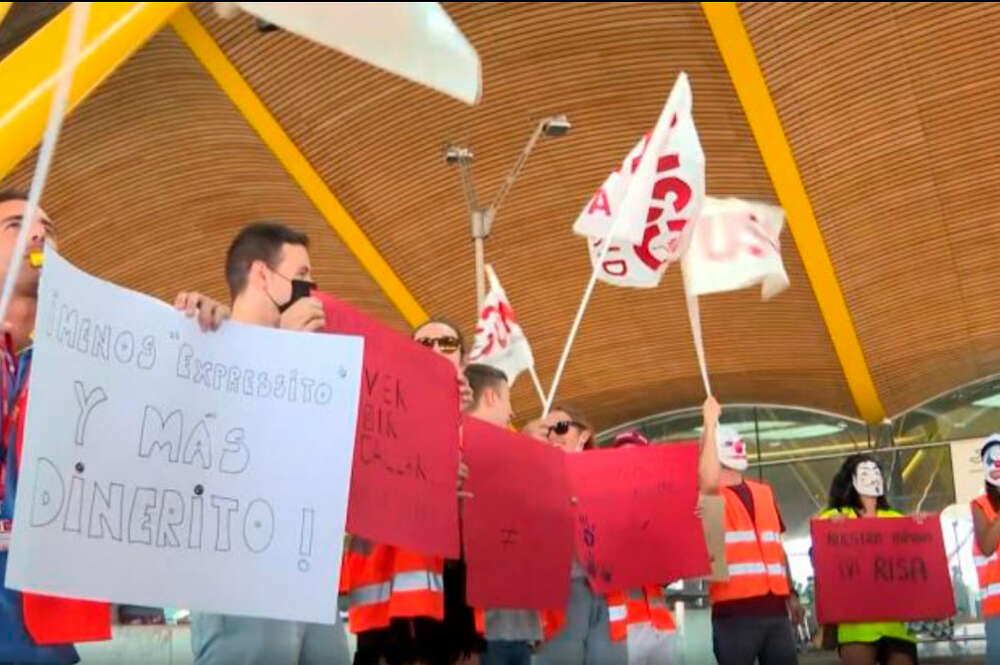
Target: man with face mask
point(270, 277)
point(750, 610)
point(984, 550)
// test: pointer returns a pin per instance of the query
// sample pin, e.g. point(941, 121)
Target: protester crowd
point(409, 608)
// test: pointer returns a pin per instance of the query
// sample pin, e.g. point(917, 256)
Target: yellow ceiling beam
point(215, 61)
point(738, 53)
point(4, 8)
point(114, 31)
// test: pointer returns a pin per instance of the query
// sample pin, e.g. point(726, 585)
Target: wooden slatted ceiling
point(157, 171)
point(379, 142)
point(892, 110)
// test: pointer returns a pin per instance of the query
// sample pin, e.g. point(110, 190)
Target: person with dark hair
point(510, 633)
point(858, 491)
point(26, 619)
point(985, 508)
point(752, 608)
point(269, 274)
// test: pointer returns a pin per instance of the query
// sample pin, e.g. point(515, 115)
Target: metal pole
point(480, 274)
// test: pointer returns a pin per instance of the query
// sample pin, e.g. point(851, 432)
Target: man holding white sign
point(39, 628)
point(270, 277)
point(164, 458)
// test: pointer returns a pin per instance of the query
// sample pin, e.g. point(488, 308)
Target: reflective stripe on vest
point(987, 567)
point(755, 558)
point(414, 580)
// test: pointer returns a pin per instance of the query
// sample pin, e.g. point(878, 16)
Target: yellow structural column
point(215, 61)
point(738, 53)
point(115, 30)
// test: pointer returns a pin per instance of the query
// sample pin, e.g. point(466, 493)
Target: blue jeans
point(507, 652)
point(586, 638)
point(993, 640)
point(218, 639)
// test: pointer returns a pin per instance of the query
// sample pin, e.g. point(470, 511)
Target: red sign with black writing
point(518, 524)
point(406, 453)
point(635, 515)
point(881, 569)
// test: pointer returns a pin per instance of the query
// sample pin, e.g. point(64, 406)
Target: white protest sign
point(169, 467)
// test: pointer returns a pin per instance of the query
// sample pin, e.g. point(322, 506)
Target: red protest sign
point(518, 525)
point(635, 515)
point(403, 479)
point(881, 569)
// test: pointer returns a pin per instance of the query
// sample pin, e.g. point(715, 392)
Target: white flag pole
point(538, 385)
point(579, 316)
point(57, 107)
point(694, 317)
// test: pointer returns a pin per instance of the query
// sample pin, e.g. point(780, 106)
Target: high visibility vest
point(987, 567)
point(47, 620)
point(389, 582)
point(754, 556)
point(624, 608)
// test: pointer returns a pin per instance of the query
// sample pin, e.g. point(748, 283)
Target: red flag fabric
point(635, 515)
point(406, 453)
point(518, 524)
point(54, 620)
point(881, 569)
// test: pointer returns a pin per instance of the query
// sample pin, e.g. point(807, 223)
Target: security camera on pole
point(481, 219)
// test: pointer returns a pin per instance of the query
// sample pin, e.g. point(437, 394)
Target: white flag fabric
point(647, 205)
point(734, 245)
point(500, 342)
point(660, 183)
point(415, 40)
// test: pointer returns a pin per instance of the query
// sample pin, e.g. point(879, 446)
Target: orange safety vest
point(987, 567)
point(648, 604)
point(389, 582)
point(754, 555)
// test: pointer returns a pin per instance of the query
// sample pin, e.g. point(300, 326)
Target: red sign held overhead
point(518, 524)
point(881, 569)
point(406, 452)
point(633, 506)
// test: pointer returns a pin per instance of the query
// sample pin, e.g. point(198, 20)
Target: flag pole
point(538, 385)
point(694, 318)
point(579, 316)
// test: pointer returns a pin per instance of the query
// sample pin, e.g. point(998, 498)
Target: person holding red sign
point(858, 491)
point(750, 610)
point(987, 527)
point(593, 629)
point(407, 607)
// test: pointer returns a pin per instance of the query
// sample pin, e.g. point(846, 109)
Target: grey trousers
point(219, 639)
point(743, 640)
point(993, 640)
point(586, 637)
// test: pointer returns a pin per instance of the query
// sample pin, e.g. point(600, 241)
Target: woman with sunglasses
point(438, 628)
point(592, 630)
point(445, 339)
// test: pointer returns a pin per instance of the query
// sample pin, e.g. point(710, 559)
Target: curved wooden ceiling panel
point(157, 171)
point(378, 141)
point(892, 110)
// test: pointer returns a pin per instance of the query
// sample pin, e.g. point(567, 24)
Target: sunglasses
point(444, 344)
point(563, 426)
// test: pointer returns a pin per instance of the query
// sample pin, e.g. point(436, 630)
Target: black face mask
point(300, 289)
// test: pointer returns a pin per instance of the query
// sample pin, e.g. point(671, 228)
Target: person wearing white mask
point(751, 609)
point(987, 527)
point(858, 491)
